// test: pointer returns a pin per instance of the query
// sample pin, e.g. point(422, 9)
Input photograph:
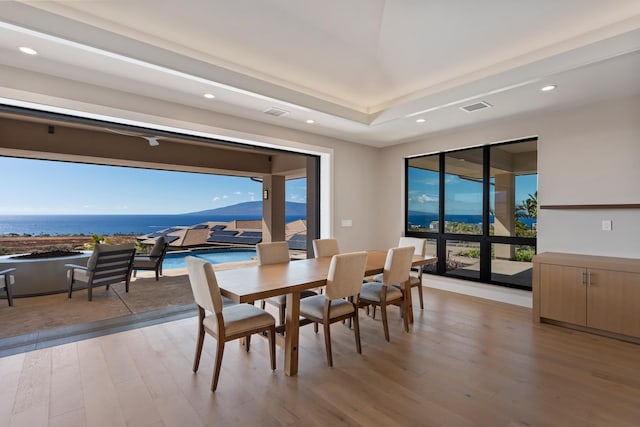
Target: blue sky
point(463, 196)
point(32, 187)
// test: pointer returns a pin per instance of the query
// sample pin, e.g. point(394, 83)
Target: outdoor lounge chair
point(107, 265)
point(152, 261)
point(6, 281)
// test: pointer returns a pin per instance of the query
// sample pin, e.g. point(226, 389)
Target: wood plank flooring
point(466, 362)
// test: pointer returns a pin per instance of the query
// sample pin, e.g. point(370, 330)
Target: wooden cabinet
point(598, 293)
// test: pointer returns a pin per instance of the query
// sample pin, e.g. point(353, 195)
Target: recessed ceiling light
point(311, 121)
point(420, 120)
point(28, 50)
point(209, 95)
point(548, 88)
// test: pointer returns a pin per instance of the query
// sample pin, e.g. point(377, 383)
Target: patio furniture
point(6, 281)
point(340, 300)
point(226, 323)
point(152, 261)
point(277, 253)
point(107, 265)
point(396, 272)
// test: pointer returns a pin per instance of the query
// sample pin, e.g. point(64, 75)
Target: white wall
point(586, 155)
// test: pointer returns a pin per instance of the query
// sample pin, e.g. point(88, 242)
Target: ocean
point(424, 219)
point(60, 225)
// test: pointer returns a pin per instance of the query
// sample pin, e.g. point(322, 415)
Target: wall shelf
point(595, 206)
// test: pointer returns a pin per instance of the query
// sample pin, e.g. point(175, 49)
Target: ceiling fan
point(152, 140)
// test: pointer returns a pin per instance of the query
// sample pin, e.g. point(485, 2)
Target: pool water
point(214, 256)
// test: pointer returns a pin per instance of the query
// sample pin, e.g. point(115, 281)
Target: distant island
point(253, 209)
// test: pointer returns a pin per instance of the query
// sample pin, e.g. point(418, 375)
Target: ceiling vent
point(475, 107)
point(276, 112)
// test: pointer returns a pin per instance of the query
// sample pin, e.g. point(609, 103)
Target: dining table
point(251, 283)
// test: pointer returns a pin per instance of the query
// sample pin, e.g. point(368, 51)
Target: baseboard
point(480, 290)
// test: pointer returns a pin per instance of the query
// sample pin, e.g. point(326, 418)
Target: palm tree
point(528, 208)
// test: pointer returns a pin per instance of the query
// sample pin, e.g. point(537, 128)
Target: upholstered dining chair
point(341, 298)
point(420, 248)
point(225, 323)
point(152, 261)
point(108, 264)
point(277, 253)
point(7, 280)
point(390, 290)
point(325, 247)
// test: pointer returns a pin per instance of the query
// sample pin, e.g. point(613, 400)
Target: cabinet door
point(563, 294)
point(613, 302)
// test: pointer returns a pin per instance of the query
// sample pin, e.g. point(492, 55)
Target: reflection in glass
point(463, 192)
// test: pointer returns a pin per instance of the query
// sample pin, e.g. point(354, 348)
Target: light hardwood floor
point(467, 362)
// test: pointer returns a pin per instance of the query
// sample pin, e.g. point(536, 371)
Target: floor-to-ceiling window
point(477, 208)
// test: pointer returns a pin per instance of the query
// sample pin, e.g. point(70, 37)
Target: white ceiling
point(364, 70)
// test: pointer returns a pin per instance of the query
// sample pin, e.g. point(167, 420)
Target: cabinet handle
point(583, 277)
point(589, 282)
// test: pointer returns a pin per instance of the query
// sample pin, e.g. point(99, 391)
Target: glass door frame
point(485, 240)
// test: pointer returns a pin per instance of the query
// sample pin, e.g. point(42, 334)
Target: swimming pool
point(214, 256)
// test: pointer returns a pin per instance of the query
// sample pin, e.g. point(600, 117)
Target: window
point(478, 209)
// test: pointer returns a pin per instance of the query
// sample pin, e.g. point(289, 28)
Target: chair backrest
point(345, 275)
point(325, 247)
point(420, 245)
point(159, 248)
point(111, 263)
point(204, 285)
point(273, 253)
point(397, 265)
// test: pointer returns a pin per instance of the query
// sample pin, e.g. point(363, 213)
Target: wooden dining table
point(252, 283)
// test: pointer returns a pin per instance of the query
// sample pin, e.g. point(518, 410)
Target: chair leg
point(327, 342)
point(356, 331)
point(272, 347)
point(385, 323)
point(216, 369)
point(157, 274)
point(90, 294)
point(70, 283)
point(405, 318)
point(247, 342)
point(374, 311)
point(199, 344)
point(7, 285)
point(315, 327)
point(281, 310)
point(263, 304)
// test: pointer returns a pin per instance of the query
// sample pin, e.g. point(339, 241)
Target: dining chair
point(226, 322)
point(152, 261)
point(325, 247)
point(341, 298)
point(390, 290)
point(7, 280)
point(420, 248)
point(108, 264)
point(277, 253)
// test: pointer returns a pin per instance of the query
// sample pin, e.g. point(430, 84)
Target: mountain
point(253, 209)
